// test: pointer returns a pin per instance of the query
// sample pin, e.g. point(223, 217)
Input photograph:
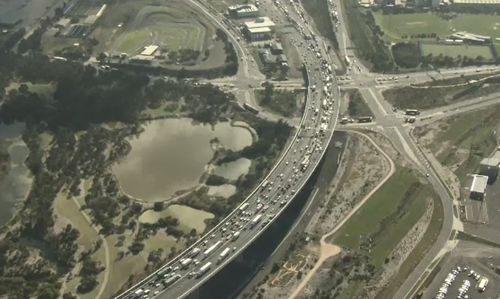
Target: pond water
point(15, 185)
point(225, 190)
point(234, 169)
point(188, 217)
point(171, 155)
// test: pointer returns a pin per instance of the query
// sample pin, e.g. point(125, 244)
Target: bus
point(412, 112)
point(211, 249)
point(365, 119)
point(204, 269)
point(483, 282)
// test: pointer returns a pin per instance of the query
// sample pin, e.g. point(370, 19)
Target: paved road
point(224, 242)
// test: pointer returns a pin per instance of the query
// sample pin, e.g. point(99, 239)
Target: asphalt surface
point(174, 280)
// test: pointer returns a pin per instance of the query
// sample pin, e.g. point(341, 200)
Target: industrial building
point(478, 187)
point(260, 23)
point(243, 11)
point(489, 168)
point(259, 34)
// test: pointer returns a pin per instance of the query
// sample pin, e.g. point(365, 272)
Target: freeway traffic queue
point(244, 224)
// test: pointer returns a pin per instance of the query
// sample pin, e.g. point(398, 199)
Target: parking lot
point(462, 272)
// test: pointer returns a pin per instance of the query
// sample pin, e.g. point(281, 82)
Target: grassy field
point(434, 96)
point(473, 132)
point(386, 217)
point(68, 212)
point(284, 102)
point(418, 252)
point(172, 26)
point(397, 25)
point(456, 51)
point(357, 107)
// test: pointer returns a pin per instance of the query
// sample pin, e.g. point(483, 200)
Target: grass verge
point(386, 217)
point(319, 11)
point(430, 236)
point(284, 102)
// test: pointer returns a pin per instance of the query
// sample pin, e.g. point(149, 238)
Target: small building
point(478, 187)
point(264, 22)
point(259, 34)
point(141, 59)
point(150, 50)
point(489, 168)
point(243, 11)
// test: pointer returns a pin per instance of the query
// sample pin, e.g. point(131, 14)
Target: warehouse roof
point(259, 30)
point(149, 50)
point(260, 22)
point(479, 183)
point(493, 162)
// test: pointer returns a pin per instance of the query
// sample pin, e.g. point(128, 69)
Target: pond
point(171, 155)
point(188, 217)
point(225, 190)
point(233, 170)
point(14, 185)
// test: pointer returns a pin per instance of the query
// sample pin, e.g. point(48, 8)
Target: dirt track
point(328, 250)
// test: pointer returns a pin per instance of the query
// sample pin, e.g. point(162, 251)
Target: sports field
point(455, 51)
point(397, 25)
point(172, 26)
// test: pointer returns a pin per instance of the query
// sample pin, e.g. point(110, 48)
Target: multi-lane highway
point(230, 237)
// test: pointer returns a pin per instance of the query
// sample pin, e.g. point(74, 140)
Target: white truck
point(211, 249)
point(195, 251)
point(185, 262)
point(204, 269)
point(172, 279)
point(224, 254)
point(243, 207)
point(255, 220)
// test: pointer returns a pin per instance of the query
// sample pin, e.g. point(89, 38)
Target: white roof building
point(478, 186)
point(259, 23)
point(149, 50)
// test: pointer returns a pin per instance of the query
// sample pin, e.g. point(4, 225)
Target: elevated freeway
point(198, 263)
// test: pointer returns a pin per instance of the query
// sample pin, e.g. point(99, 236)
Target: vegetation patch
point(375, 229)
point(464, 140)
point(284, 102)
point(418, 253)
point(406, 55)
point(320, 12)
point(357, 106)
point(366, 36)
point(441, 93)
